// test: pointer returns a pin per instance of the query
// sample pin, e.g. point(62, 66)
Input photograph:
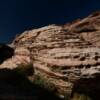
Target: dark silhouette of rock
point(5, 52)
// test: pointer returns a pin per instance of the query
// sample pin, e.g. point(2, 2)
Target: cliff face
point(63, 55)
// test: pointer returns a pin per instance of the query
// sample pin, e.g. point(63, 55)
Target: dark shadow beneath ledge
point(89, 87)
point(15, 86)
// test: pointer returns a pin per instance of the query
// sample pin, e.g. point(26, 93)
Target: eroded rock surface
point(21, 56)
point(64, 54)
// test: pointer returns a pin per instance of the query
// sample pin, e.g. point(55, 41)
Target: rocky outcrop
point(62, 55)
point(21, 56)
point(14, 73)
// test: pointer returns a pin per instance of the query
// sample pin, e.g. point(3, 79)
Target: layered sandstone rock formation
point(62, 55)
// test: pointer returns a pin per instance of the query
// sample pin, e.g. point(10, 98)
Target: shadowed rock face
point(16, 86)
point(5, 52)
point(88, 86)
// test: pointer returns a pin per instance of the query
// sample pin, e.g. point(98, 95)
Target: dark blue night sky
point(17, 16)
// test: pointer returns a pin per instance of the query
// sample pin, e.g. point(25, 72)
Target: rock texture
point(62, 55)
point(21, 56)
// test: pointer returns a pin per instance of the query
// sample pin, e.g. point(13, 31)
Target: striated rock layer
point(64, 54)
